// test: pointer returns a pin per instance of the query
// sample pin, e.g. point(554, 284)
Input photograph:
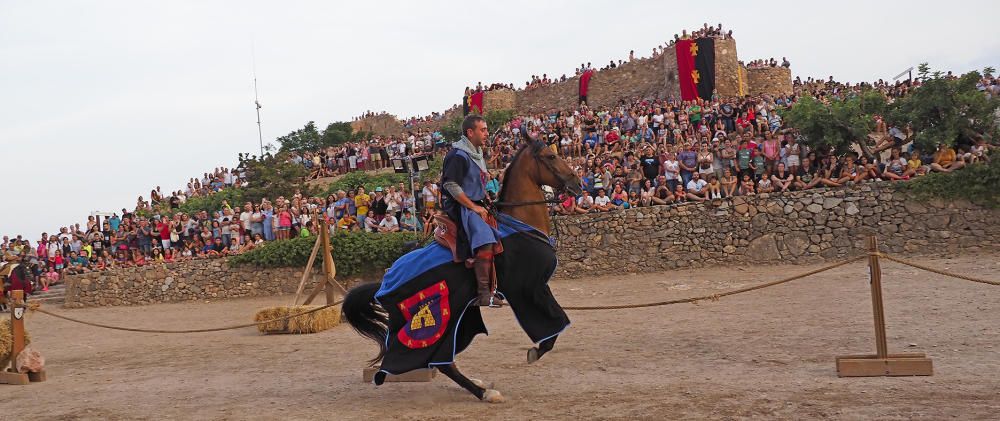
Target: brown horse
point(421, 315)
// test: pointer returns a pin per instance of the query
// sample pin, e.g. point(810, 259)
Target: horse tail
point(366, 316)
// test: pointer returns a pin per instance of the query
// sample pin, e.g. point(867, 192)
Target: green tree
point(495, 119)
point(340, 132)
point(273, 177)
point(838, 124)
point(945, 110)
point(304, 139)
point(452, 130)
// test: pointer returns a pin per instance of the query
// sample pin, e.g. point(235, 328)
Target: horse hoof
point(481, 384)
point(533, 355)
point(493, 396)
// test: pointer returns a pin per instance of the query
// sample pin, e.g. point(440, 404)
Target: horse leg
point(544, 346)
point(476, 387)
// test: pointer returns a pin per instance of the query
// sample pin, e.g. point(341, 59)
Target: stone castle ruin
point(646, 77)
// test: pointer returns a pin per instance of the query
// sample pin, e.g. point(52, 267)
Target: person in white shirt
point(388, 224)
point(430, 195)
point(602, 202)
point(586, 202)
point(696, 188)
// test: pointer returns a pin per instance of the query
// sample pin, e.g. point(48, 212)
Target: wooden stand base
point(37, 377)
point(419, 375)
point(10, 377)
point(891, 365)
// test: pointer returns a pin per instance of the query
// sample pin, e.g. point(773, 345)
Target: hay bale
point(7, 341)
point(316, 321)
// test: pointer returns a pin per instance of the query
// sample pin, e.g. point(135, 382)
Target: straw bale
point(316, 321)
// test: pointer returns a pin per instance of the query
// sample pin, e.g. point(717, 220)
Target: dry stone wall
point(504, 99)
point(802, 227)
point(551, 97)
point(381, 125)
point(208, 279)
point(770, 80)
point(643, 78)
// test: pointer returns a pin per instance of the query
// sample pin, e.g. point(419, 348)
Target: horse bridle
point(536, 152)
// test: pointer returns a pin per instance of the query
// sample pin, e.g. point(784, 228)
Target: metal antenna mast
point(256, 100)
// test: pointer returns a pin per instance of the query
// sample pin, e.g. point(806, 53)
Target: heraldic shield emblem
point(427, 314)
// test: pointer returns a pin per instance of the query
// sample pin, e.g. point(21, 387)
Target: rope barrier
point(938, 271)
point(35, 307)
point(715, 297)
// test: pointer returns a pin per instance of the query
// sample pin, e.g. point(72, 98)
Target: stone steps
point(56, 295)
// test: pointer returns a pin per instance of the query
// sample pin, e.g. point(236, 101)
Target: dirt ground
point(763, 354)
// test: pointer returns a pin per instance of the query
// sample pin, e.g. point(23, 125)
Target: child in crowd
point(714, 187)
point(747, 185)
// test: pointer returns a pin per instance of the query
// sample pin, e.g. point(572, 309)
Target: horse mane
point(535, 146)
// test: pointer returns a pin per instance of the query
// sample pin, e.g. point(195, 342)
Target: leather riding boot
point(483, 268)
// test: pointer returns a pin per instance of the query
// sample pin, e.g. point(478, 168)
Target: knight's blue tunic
point(461, 169)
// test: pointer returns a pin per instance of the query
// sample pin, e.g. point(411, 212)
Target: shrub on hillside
point(355, 253)
point(978, 183)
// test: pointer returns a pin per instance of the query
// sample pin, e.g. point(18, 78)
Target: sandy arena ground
point(763, 354)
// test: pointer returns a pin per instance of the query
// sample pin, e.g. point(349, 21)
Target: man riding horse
point(465, 201)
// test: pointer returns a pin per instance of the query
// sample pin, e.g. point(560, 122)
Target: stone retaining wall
point(208, 279)
point(803, 227)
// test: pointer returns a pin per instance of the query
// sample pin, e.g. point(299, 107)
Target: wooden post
point(11, 376)
point(329, 284)
point(307, 271)
point(327, 261)
point(881, 348)
point(882, 363)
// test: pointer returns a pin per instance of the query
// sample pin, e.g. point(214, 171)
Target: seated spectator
point(409, 222)
point(586, 202)
point(946, 160)
point(714, 187)
point(765, 184)
point(805, 178)
point(602, 202)
point(388, 224)
point(782, 179)
point(729, 183)
point(697, 188)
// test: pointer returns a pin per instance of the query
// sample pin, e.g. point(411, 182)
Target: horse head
point(549, 169)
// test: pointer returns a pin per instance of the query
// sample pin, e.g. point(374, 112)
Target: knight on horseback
point(465, 202)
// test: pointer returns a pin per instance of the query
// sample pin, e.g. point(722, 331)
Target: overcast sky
point(104, 100)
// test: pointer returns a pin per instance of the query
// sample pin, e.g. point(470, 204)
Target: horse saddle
point(446, 234)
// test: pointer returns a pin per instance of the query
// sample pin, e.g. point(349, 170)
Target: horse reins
point(548, 165)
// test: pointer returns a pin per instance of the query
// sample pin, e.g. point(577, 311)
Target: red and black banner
point(696, 68)
point(686, 51)
point(476, 102)
point(704, 64)
point(472, 103)
point(585, 84)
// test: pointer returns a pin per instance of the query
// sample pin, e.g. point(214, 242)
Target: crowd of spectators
point(644, 152)
point(366, 155)
point(764, 63)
